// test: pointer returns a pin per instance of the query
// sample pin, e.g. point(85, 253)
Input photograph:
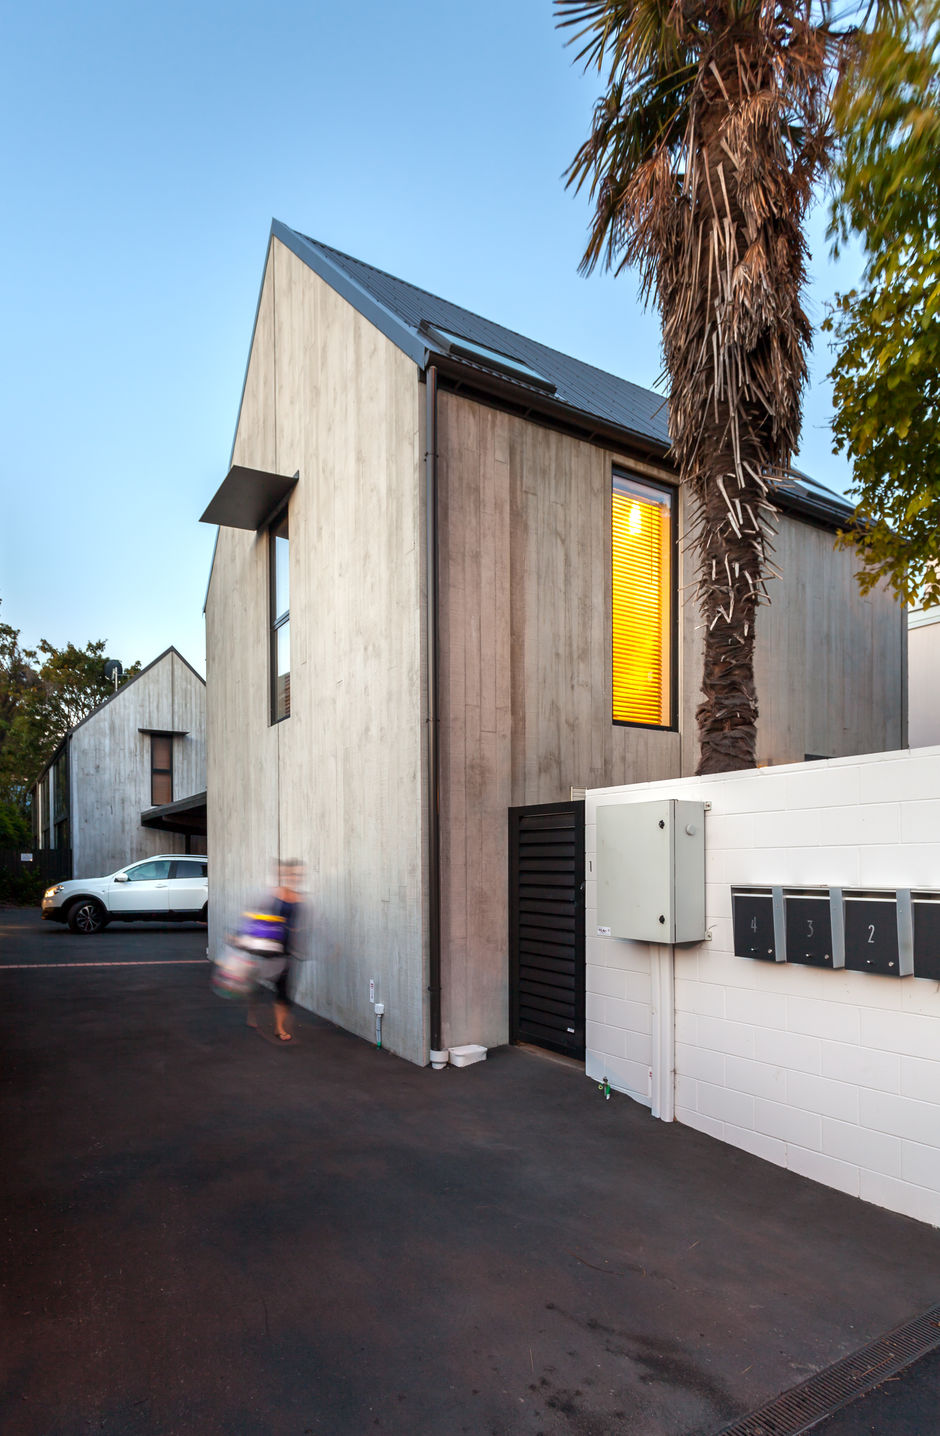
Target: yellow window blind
point(642, 602)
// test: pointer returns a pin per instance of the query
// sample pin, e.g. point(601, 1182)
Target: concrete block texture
point(777, 1119)
point(821, 1168)
point(873, 1151)
point(835, 1074)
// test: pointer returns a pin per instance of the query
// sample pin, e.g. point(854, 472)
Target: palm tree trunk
point(730, 570)
point(702, 159)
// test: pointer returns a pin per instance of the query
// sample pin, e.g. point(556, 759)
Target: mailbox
point(871, 934)
point(926, 935)
point(755, 930)
point(809, 928)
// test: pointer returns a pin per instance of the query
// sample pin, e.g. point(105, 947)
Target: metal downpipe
point(433, 717)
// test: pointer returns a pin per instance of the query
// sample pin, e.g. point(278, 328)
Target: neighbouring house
point(129, 780)
point(923, 642)
point(451, 584)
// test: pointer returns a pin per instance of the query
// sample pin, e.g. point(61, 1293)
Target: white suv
point(167, 888)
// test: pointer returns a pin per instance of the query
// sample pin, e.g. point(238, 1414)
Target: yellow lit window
point(642, 531)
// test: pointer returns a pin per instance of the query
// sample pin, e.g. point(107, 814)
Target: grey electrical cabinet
point(651, 870)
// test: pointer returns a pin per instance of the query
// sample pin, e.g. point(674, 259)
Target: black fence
point(52, 865)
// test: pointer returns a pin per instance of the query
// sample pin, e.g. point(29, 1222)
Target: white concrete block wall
point(835, 1075)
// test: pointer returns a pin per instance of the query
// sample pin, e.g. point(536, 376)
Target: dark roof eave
point(818, 512)
point(59, 748)
point(514, 395)
point(367, 305)
point(527, 400)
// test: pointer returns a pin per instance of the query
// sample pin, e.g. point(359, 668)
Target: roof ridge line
point(516, 333)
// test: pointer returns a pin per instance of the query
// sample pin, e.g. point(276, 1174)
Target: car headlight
point(51, 892)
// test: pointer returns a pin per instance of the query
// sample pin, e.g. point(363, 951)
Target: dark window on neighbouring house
point(643, 537)
point(279, 552)
point(183, 869)
point(60, 801)
point(161, 769)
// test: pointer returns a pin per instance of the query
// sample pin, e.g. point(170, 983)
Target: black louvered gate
point(546, 926)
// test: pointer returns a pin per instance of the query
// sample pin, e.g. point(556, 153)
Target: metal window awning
point(165, 732)
point(186, 815)
point(247, 498)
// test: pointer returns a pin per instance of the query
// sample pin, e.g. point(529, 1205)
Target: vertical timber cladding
point(546, 926)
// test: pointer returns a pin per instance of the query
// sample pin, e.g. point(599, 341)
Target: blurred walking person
point(283, 912)
point(269, 938)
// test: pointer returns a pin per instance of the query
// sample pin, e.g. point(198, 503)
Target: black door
point(546, 926)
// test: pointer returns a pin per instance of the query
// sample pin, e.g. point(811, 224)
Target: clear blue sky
point(146, 151)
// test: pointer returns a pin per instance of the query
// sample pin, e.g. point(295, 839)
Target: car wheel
point(87, 916)
point(204, 915)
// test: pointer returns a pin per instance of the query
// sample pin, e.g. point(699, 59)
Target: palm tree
point(701, 161)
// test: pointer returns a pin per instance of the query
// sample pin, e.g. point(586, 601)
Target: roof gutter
point(432, 746)
point(530, 402)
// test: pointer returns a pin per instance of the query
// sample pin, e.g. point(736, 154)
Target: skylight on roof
point(462, 348)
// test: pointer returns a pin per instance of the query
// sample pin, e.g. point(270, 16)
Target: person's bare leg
point(281, 1013)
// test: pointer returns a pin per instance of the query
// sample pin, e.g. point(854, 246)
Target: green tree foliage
point(14, 829)
point(43, 692)
point(887, 369)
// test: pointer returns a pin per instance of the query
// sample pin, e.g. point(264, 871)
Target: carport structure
point(187, 816)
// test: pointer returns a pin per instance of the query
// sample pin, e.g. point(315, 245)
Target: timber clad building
point(448, 584)
point(129, 780)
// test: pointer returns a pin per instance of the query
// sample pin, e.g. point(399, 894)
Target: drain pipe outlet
point(379, 1014)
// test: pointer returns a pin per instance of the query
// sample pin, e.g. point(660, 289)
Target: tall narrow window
point(280, 621)
point(643, 527)
point(161, 769)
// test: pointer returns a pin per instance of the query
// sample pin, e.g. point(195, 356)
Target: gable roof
point(424, 326)
point(402, 312)
point(66, 736)
point(130, 683)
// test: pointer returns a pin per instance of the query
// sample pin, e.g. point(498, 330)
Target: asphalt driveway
point(205, 1233)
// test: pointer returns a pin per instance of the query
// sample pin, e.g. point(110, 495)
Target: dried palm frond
point(704, 148)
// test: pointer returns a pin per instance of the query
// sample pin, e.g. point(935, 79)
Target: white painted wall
point(923, 646)
point(109, 766)
point(835, 1075)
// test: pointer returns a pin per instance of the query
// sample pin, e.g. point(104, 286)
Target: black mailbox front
point(754, 925)
point(809, 929)
point(871, 933)
point(926, 935)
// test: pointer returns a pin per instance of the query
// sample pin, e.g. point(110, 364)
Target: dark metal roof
point(405, 309)
point(800, 494)
point(410, 316)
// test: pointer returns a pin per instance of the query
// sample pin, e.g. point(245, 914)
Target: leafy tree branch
point(886, 373)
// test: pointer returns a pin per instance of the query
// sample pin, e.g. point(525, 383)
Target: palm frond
point(711, 130)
